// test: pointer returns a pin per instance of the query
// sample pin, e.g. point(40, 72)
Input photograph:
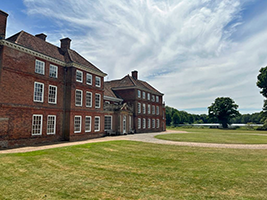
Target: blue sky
point(192, 51)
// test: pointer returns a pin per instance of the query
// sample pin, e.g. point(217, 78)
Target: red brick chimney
point(65, 44)
point(3, 20)
point(135, 74)
point(41, 36)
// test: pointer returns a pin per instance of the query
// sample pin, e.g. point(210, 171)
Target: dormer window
point(79, 76)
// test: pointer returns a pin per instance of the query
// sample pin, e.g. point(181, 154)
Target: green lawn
point(221, 136)
point(134, 170)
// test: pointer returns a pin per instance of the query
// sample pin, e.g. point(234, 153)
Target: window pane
point(108, 123)
point(97, 123)
point(79, 76)
point(88, 79)
point(39, 67)
point(77, 124)
point(78, 98)
point(37, 124)
point(87, 124)
point(38, 92)
point(51, 124)
point(52, 96)
point(97, 81)
point(53, 71)
point(97, 100)
point(88, 99)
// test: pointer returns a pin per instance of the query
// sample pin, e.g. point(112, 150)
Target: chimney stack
point(135, 74)
point(41, 36)
point(65, 44)
point(3, 21)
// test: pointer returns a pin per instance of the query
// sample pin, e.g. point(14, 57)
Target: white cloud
point(183, 48)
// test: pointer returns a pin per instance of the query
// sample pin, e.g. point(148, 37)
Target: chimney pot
point(41, 36)
point(65, 44)
point(3, 21)
point(135, 74)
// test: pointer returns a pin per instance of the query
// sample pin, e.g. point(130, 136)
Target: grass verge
point(220, 136)
point(134, 170)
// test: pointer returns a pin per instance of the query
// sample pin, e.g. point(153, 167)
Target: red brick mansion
point(50, 93)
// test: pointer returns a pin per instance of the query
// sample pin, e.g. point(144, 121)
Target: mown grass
point(221, 136)
point(134, 170)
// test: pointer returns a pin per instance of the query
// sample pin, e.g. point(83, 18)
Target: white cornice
point(85, 68)
point(50, 59)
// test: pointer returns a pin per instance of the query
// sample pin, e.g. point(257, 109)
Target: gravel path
point(142, 137)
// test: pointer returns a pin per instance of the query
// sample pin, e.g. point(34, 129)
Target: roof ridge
point(132, 80)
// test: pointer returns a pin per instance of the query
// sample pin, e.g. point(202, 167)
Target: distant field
point(220, 136)
point(134, 170)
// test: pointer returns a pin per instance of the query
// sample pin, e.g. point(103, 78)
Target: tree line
point(175, 117)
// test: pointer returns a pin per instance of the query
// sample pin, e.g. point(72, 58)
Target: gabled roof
point(128, 82)
point(41, 46)
point(34, 43)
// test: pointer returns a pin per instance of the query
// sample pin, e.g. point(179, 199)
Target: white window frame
point(55, 100)
point(138, 107)
point(153, 98)
point(138, 93)
point(157, 98)
point(148, 109)
point(144, 95)
point(149, 123)
point(54, 128)
point(139, 123)
point(144, 108)
point(153, 123)
point(86, 99)
point(153, 110)
point(80, 127)
point(41, 67)
point(109, 116)
point(41, 125)
point(53, 67)
point(76, 104)
point(157, 123)
point(34, 92)
point(89, 77)
point(98, 128)
point(97, 105)
point(148, 96)
point(157, 110)
point(144, 123)
point(99, 81)
point(78, 80)
point(85, 124)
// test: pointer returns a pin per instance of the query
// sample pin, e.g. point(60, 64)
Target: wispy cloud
point(186, 49)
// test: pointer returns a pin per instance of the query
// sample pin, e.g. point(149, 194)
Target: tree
point(262, 83)
point(176, 119)
point(223, 109)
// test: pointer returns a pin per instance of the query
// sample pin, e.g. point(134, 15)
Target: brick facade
point(50, 93)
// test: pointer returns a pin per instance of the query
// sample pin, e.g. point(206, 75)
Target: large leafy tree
point(262, 83)
point(223, 109)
